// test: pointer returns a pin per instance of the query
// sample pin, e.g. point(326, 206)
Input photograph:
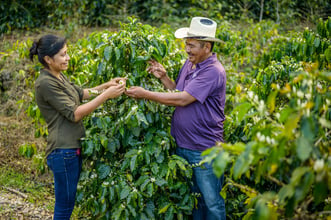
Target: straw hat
point(201, 28)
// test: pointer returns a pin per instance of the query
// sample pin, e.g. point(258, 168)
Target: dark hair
point(202, 43)
point(47, 45)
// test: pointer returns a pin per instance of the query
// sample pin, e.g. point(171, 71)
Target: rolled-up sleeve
point(79, 90)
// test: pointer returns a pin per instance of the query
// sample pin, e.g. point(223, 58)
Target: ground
point(15, 206)
point(17, 202)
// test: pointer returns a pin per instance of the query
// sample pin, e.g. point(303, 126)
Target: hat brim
point(183, 33)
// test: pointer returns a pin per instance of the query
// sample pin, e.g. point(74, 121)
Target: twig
point(319, 140)
point(16, 192)
point(275, 180)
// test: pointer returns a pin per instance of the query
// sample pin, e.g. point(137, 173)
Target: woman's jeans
point(210, 203)
point(66, 166)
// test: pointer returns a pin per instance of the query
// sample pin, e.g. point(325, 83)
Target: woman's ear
point(48, 59)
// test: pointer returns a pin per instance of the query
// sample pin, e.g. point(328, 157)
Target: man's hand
point(136, 92)
point(156, 69)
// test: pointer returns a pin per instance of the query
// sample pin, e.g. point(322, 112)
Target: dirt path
point(15, 131)
point(15, 206)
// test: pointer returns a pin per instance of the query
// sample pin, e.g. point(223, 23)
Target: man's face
point(197, 52)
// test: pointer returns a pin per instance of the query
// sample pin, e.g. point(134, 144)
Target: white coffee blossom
point(268, 140)
point(261, 107)
point(300, 94)
point(277, 115)
point(318, 165)
point(299, 102)
point(256, 98)
point(250, 94)
point(308, 96)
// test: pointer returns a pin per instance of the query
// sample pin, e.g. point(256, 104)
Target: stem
point(321, 138)
point(276, 180)
point(261, 11)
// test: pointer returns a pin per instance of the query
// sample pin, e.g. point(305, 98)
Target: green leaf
point(327, 54)
point(272, 100)
point(304, 148)
point(243, 161)
point(317, 42)
point(131, 153)
point(142, 187)
point(125, 192)
point(164, 208)
point(103, 171)
point(133, 163)
point(160, 182)
point(107, 53)
point(242, 109)
point(118, 53)
point(132, 210)
point(89, 148)
point(291, 124)
point(320, 192)
point(150, 189)
point(220, 163)
point(113, 145)
point(170, 213)
point(141, 118)
point(285, 192)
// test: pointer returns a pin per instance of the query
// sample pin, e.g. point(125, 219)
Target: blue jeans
point(210, 204)
point(66, 165)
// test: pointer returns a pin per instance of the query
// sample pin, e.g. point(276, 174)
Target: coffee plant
point(130, 171)
point(278, 131)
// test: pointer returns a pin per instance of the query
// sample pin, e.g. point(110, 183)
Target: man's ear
point(208, 46)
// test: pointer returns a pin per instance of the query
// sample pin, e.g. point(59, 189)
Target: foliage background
point(277, 156)
point(26, 15)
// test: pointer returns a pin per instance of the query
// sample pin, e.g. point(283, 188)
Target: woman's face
point(60, 61)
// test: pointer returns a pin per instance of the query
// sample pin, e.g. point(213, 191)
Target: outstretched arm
point(88, 93)
point(171, 99)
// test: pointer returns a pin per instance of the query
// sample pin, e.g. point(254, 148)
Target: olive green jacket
point(57, 101)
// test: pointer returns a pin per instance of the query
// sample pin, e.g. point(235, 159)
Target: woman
point(60, 104)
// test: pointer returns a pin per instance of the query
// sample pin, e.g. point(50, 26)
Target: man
point(197, 123)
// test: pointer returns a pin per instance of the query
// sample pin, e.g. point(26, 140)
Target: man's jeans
point(66, 166)
point(211, 203)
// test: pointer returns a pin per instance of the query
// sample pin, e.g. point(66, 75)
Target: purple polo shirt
point(199, 125)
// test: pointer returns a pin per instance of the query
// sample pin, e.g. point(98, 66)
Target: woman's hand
point(136, 92)
point(114, 91)
point(117, 80)
point(156, 69)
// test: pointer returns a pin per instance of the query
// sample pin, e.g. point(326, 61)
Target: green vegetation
point(66, 14)
point(18, 180)
point(276, 157)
